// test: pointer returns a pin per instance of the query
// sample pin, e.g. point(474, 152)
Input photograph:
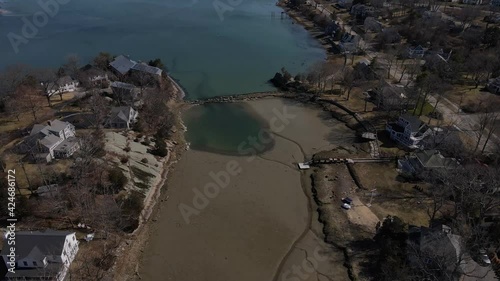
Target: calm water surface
point(209, 55)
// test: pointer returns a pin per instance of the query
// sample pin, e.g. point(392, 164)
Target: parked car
point(484, 257)
point(347, 200)
point(346, 206)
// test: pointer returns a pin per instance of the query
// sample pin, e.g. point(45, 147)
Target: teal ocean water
point(210, 53)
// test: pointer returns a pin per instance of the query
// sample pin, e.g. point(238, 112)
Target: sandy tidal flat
point(246, 230)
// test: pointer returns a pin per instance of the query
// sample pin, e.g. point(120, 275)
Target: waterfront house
point(41, 255)
point(408, 130)
point(61, 85)
point(426, 160)
point(124, 91)
point(144, 68)
point(494, 86)
point(54, 140)
point(121, 65)
point(121, 117)
point(416, 52)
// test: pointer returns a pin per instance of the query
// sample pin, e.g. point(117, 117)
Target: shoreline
point(130, 249)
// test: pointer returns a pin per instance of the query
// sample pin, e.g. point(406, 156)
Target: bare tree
point(28, 99)
point(466, 15)
point(98, 105)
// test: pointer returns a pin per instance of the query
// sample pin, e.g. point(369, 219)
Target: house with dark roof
point(408, 130)
point(426, 160)
point(416, 51)
point(360, 12)
point(124, 91)
point(349, 43)
point(61, 85)
point(40, 255)
point(494, 86)
point(121, 117)
point(56, 139)
point(121, 65)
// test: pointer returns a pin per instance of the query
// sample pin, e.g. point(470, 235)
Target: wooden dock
point(328, 161)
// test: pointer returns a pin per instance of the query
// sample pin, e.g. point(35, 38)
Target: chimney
point(48, 123)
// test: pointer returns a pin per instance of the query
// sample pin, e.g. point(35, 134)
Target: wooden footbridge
point(327, 161)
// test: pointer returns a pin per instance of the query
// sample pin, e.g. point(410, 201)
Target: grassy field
point(392, 196)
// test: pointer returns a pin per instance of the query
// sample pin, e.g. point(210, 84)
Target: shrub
point(124, 159)
point(127, 149)
point(117, 178)
point(146, 142)
point(144, 160)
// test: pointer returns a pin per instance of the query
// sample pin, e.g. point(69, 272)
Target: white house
point(62, 85)
point(54, 140)
point(40, 255)
point(408, 130)
point(94, 74)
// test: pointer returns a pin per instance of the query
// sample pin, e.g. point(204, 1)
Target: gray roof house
point(124, 91)
point(424, 161)
point(121, 117)
point(145, 68)
point(54, 140)
point(40, 255)
point(122, 64)
point(408, 130)
point(438, 247)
